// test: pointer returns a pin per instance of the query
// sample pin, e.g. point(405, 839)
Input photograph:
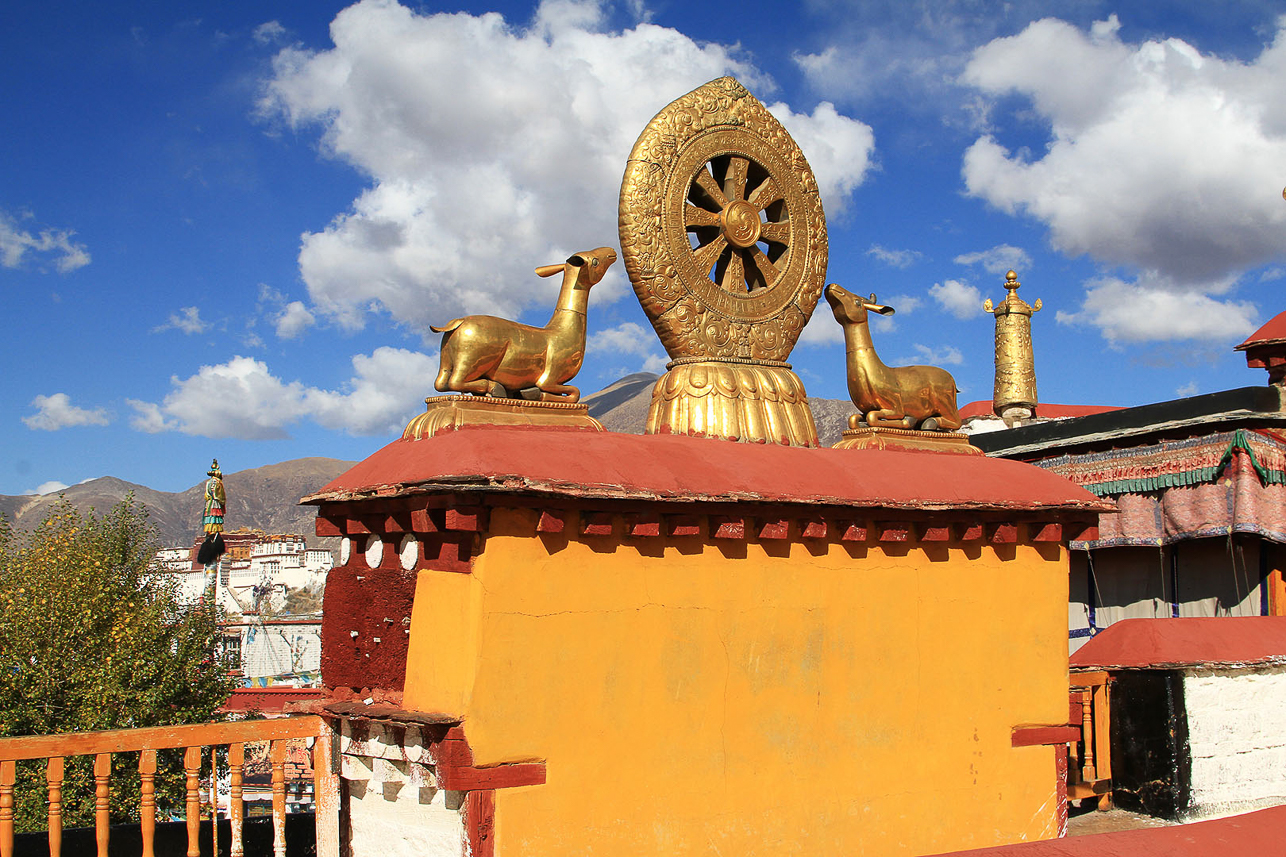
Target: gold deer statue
point(491, 356)
point(904, 397)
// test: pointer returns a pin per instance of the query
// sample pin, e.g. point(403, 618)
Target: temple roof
point(1044, 410)
point(678, 469)
point(1168, 643)
point(1272, 333)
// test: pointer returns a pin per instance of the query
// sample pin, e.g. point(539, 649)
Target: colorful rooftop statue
point(724, 240)
point(212, 516)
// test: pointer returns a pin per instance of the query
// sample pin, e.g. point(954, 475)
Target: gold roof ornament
point(905, 407)
point(724, 241)
point(494, 360)
point(1014, 397)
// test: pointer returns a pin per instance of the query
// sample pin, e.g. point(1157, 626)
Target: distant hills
point(622, 406)
point(267, 498)
point(264, 498)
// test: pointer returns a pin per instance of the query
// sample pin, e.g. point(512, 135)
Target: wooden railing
point(193, 740)
point(1089, 763)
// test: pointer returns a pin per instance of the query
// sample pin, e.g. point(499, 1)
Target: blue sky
point(225, 228)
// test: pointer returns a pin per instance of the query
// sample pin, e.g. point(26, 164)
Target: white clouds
point(294, 320)
point(998, 260)
point(243, 399)
point(822, 329)
point(958, 298)
point(837, 148)
point(493, 149)
point(148, 417)
point(57, 412)
point(16, 243)
point(289, 318)
point(895, 258)
point(1143, 312)
point(943, 355)
point(1160, 158)
point(51, 487)
point(388, 388)
point(903, 304)
point(187, 320)
point(632, 339)
point(269, 32)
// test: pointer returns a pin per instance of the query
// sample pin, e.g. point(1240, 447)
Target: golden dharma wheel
point(722, 230)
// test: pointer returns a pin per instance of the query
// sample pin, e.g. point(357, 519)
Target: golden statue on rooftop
point(490, 356)
point(517, 374)
point(905, 407)
point(904, 397)
point(1014, 397)
point(724, 240)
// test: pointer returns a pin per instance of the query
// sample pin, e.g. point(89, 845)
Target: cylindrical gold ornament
point(1014, 398)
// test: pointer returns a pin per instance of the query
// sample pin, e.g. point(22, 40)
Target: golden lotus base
point(874, 437)
point(444, 413)
point(733, 400)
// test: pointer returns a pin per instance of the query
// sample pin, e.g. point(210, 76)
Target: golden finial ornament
point(1014, 397)
point(724, 241)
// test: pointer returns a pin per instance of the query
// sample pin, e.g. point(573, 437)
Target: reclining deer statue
point(491, 356)
point(889, 396)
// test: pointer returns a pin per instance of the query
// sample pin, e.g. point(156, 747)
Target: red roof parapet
point(676, 469)
point(1195, 642)
point(1253, 833)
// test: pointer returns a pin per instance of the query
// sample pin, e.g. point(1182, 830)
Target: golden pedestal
point(873, 437)
point(729, 399)
point(453, 412)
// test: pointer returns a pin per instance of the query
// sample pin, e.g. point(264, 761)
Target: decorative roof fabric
point(1214, 485)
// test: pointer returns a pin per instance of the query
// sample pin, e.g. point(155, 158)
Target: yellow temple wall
point(698, 697)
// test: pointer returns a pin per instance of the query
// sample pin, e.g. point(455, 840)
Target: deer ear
point(549, 270)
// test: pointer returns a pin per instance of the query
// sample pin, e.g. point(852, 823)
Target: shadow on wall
point(172, 839)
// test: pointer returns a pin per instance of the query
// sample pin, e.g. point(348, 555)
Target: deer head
point(849, 308)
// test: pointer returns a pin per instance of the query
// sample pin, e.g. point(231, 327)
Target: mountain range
point(267, 498)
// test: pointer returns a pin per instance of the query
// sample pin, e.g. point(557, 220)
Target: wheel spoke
point(695, 215)
point(766, 194)
point(707, 255)
point(734, 274)
point(777, 233)
point(711, 187)
point(764, 272)
point(734, 182)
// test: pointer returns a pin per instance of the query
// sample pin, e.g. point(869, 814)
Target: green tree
point(91, 638)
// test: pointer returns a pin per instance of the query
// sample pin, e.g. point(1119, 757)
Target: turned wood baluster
point(1103, 738)
point(236, 809)
point(102, 772)
point(54, 780)
point(192, 765)
point(1073, 747)
point(214, 801)
point(277, 753)
point(147, 800)
point(8, 773)
point(1087, 733)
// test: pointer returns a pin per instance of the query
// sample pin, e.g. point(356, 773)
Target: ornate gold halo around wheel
point(722, 230)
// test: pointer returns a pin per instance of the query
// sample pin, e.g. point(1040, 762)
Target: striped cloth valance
point(1171, 464)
